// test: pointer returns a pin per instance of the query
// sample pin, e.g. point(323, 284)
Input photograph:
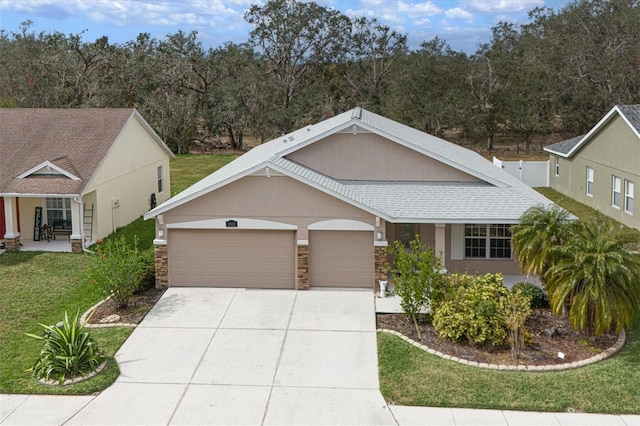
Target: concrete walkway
point(234, 356)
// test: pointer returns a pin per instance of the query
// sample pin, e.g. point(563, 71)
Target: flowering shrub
point(118, 269)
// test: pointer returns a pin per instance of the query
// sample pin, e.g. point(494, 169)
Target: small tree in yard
point(117, 269)
point(517, 308)
point(416, 273)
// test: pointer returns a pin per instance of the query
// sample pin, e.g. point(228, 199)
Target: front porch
point(61, 245)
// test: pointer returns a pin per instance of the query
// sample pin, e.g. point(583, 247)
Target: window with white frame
point(616, 191)
point(58, 209)
point(628, 196)
point(557, 163)
point(160, 187)
point(487, 241)
point(407, 233)
point(590, 181)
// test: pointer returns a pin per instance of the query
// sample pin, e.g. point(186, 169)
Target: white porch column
point(10, 218)
point(440, 243)
point(76, 219)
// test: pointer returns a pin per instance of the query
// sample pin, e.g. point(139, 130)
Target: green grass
point(410, 376)
point(37, 287)
point(188, 169)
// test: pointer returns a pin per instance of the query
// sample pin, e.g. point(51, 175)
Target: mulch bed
point(138, 307)
point(543, 349)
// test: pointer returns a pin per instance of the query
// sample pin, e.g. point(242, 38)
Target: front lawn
point(37, 287)
point(410, 376)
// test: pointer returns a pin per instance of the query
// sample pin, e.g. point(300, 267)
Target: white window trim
point(616, 189)
point(590, 180)
point(628, 194)
point(160, 180)
point(458, 243)
point(557, 166)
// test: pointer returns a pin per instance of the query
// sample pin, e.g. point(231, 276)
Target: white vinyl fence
point(533, 173)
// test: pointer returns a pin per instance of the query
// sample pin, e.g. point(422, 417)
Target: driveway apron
point(236, 356)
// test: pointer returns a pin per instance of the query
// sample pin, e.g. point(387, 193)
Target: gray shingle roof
point(632, 113)
point(564, 147)
point(503, 196)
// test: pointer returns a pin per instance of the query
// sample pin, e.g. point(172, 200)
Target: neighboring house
point(319, 207)
point(602, 168)
point(86, 171)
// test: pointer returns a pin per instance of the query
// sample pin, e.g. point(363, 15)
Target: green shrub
point(147, 277)
point(117, 269)
point(416, 273)
point(538, 298)
point(68, 351)
point(474, 309)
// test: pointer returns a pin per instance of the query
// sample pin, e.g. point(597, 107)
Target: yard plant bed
point(542, 349)
point(135, 311)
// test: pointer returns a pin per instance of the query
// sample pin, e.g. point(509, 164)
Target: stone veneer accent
point(622, 338)
point(161, 260)
point(303, 267)
point(76, 246)
point(380, 256)
point(12, 244)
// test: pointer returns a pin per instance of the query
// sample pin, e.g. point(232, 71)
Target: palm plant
point(68, 351)
point(597, 273)
point(539, 231)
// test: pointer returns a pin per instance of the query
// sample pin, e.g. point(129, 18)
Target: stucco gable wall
point(614, 150)
point(128, 174)
point(277, 198)
point(368, 156)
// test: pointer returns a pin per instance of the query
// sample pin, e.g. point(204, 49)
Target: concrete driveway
point(235, 356)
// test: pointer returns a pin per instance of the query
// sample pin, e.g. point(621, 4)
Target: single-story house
point(318, 208)
point(602, 167)
point(77, 174)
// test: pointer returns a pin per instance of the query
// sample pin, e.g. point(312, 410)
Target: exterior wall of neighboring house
point(127, 177)
point(358, 157)
point(613, 151)
point(276, 198)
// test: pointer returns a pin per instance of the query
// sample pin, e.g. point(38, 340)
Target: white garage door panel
point(341, 259)
point(230, 258)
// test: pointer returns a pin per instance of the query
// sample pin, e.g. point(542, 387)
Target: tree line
point(557, 73)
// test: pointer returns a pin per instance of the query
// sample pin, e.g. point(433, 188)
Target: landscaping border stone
point(52, 382)
point(85, 317)
point(622, 338)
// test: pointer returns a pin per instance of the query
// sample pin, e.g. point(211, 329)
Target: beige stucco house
point(318, 208)
point(602, 168)
point(86, 171)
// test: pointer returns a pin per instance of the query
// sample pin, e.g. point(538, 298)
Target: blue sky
point(462, 23)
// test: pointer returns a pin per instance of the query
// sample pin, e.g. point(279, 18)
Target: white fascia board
point(171, 203)
point(482, 221)
point(35, 195)
point(315, 138)
point(243, 224)
point(340, 225)
point(559, 154)
point(626, 120)
point(594, 129)
point(153, 133)
point(51, 166)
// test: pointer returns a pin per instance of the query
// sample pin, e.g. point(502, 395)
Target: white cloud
point(502, 6)
point(426, 8)
point(458, 13)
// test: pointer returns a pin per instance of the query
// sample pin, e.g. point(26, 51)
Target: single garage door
point(231, 258)
point(341, 259)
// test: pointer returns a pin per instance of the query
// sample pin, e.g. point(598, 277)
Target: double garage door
point(228, 258)
point(267, 259)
